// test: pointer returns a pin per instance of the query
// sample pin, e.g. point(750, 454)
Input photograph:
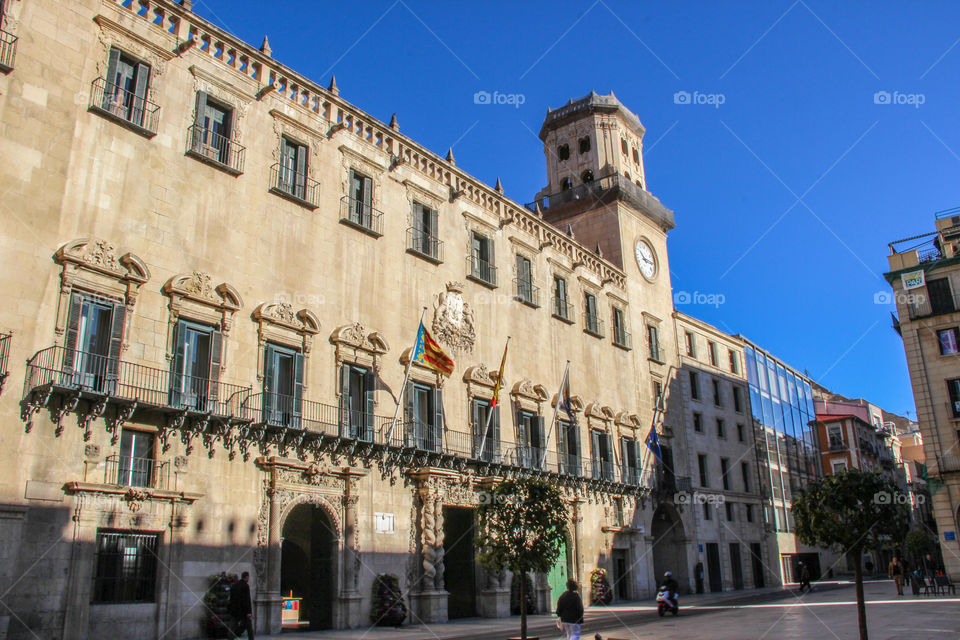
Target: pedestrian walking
point(240, 607)
point(805, 577)
point(895, 571)
point(570, 610)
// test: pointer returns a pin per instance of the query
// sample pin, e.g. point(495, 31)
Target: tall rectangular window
point(749, 508)
point(620, 335)
point(712, 349)
point(568, 446)
point(93, 343)
point(282, 386)
point(728, 506)
point(602, 455)
point(738, 398)
point(195, 370)
point(591, 318)
point(734, 361)
point(717, 398)
point(698, 422)
point(653, 342)
point(690, 342)
point(361, 199)
point(481, 259)
point(424, 417)
point(630, 459)
point(125, 87)
point(357, 401)
point(213, 130)
point(525, 288)
point(953, 387)
point(561, 302)
point(745, 474)
point(424, 232)
point(702, 468)
point(694, 385)
point(740, 432)
point(125, 568)
point(658, 394)
point(292, 177)
point(949, 341)
point(486, 430)
point(707, 511)
point(135, 464)
point(531, 439)
point(725, 473)
point(721, 428)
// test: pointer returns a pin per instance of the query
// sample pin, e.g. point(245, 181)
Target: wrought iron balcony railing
point(213, 148)
point(424, 244)
point(527, 292)
point(922, 305)
point(5, 339)
point(593, 325)
point(569, 464)
point(72, 370)
point(137, 472)
point(562, 309)
point(295, 186)
point(482, 271)
point(604, 470)
point(361, 215)
point(125, 107)
point(622, 338)
point(8, 50)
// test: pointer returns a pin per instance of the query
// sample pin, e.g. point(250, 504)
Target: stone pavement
point(596, 618)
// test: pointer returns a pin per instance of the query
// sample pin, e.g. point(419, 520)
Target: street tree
point(520, 527)
point(852, 512)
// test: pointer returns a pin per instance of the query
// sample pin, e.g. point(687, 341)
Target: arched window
point(623, 146)
point(563, 152)
point(584, 144)
point(566, 184)
point(587, 176)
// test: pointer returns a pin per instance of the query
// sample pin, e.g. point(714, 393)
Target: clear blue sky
point(785, 195)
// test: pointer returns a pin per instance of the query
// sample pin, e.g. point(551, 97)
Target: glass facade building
point(788, 452)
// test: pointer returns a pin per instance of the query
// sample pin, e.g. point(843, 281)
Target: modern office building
point(925, 278)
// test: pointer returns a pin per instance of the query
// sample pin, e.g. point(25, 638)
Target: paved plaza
point(829, 612)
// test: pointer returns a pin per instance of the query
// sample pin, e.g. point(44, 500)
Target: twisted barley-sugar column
point(428, 542)
point(439, 538)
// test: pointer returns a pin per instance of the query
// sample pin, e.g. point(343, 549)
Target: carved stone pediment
point(197, 286)
point(627, 420)
point(355, 344)
point(527, 394)
point(98, 255)
point(282, 314)
point(599, 411)
point(479, 375)
point(576, 402)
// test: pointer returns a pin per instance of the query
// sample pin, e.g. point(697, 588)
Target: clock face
point(646, 259)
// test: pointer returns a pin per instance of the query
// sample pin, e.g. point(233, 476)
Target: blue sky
point(785, 195)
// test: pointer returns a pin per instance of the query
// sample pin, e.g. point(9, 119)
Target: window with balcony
point(356, 209)
point(653, 342)
point(712, 350)
point(690, 342)
point(527, 293)
point(591, 318)
point(621, 337)
point(211, 138)
point(630, 457)
point(121, 95)
point(422, 238)
point(745, 474)
point(568, 445)
point(136, 462)
point(195, 370)
point(424, 417)
point(486, 430)
point(698, 422)
point(702, 468)
point(721, 428)
point(531, 439)
point(125, 568)
point(949, 341)
point(602, 455)
point(725, 473)
point(562, 309)
point(694, 385)
point(734, 361)
point(357, 401)
point(8, 42)
point(282, 386)
point(94, 338)
point(482, 266)
point(290, 177)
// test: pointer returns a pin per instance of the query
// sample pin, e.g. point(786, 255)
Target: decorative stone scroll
point(480, 381)
point(598, 416)
point(529, 395)
point(194, 296)
point(355, 344)
point(277, 321)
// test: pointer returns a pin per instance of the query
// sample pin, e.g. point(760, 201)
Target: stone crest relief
point(453, 319)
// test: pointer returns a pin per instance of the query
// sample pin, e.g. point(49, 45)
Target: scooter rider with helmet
point(671, 586)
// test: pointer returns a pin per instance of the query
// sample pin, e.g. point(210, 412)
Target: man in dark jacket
point(570, 610)
point(240, 607)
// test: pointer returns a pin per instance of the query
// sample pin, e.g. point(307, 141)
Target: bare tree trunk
point(861, 606)
point(523, 605)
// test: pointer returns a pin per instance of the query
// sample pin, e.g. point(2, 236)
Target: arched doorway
point(669, 546)
point(308, 565)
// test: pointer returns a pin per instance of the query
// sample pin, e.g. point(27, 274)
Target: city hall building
point(215, 272)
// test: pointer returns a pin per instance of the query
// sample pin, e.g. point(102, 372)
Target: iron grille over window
point(126, 567)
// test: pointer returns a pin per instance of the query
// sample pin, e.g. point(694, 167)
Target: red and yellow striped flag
point(428, 353)
point(496, 388)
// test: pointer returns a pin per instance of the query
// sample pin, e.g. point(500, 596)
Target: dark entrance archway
point(308, 563)
point(459, 556)
point(669, 546)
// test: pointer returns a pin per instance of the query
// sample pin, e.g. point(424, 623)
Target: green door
point(557, 578)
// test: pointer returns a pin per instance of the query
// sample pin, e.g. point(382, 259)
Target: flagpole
point(486, 429)
point(556, 410)
point(406, 377)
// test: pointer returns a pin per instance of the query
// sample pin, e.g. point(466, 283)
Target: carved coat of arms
point(453, 319)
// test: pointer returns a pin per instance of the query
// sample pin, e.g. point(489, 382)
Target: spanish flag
point(496, 387)
point(429, 354)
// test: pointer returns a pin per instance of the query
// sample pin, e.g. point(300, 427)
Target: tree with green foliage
point(520, 527)
point(919, 544)
point(852, 512)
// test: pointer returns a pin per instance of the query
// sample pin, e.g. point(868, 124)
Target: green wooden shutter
point(301, 175)
point(438, 427)
point(410, 416)
point(117, 319)
point(216, 358)
point(297, 390)
point(563, 462)
point(346, 426)
point(595, 437)
point(369, 404)
point(109, 86)
point(523, 445)
point(140, 93)
point(495, 427)
point(176, 370)
point(73, 327)
point(200, 133)
point(478, 425)
point(269, 396)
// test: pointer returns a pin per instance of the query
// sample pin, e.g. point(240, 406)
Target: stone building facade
point(925, 276)
point(216, 269)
